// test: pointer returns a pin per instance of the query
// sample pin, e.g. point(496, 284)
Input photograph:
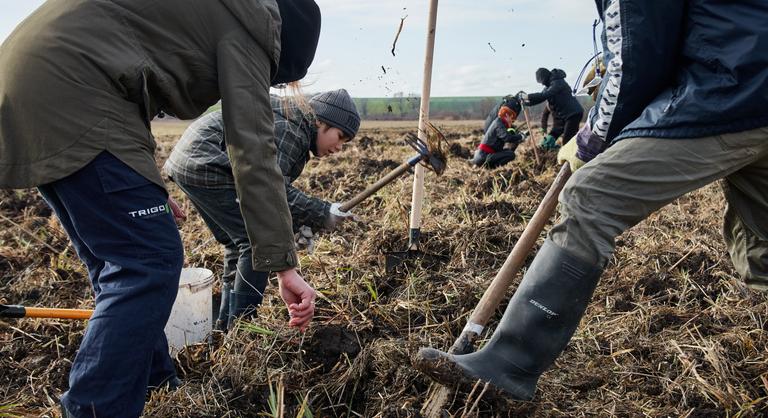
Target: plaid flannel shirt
point(200, 158)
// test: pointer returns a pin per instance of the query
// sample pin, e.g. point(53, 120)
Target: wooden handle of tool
point(530, 133)
point(397, 172)
point(58, 313)
point(498, 287)
point(417, 198)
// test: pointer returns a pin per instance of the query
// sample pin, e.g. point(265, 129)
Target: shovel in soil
point(435, 160)
point(496, 291)
point(18, 311)
point(394, 259)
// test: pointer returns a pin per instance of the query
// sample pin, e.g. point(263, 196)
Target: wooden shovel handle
point(531, 135)
point(496, 291)
point(417, 197)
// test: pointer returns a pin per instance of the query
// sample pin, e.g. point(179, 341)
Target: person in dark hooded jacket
point(682, 104)
point(80, 81)
point(565, 109)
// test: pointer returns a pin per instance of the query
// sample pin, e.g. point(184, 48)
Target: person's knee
point(243, 247)
point(583, 228)
point(575, 197)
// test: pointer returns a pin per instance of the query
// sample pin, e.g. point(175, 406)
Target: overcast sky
point(482, 47)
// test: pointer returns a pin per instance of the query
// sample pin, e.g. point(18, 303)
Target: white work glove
point(336, 217)
point(305, 239)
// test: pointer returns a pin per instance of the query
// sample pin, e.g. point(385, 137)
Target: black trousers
point(494, 160)
point(568, 128)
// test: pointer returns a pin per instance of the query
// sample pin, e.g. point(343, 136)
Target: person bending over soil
point(200, 166)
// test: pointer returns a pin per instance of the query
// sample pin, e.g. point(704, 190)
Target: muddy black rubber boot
point(537, 325)
point(246, 296)
point(223, 319)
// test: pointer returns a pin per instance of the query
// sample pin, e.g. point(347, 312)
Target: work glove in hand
point(548, 143)
point(589, 144)
point(582, 148)
point(305, 239)
point(336, 217)
point(523, 97)
point(298, 296)
point(568, 154)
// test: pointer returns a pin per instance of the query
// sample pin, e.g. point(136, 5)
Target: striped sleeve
point(641, 48)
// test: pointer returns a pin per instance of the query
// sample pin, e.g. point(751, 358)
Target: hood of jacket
point(293, 26)
point(299, 35)
point(556, 74)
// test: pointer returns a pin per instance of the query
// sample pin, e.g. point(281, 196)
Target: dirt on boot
point(440, 367)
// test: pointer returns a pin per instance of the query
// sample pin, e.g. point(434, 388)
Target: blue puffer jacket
point(682, 68)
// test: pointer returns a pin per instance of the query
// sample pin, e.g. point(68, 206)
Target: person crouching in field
point(492, 151)
point(80, 82)
point(200, 166)
point(509, 100)
point(566, 111)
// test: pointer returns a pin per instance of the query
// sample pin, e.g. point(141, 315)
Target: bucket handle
point(198, 286)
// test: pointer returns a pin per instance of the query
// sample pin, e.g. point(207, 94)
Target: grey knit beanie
point(337, 109)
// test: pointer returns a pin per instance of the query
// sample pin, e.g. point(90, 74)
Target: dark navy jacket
point(682, 68)
point(558, 94)
point(497, 135)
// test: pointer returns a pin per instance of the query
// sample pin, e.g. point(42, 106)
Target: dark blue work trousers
point(121, 227)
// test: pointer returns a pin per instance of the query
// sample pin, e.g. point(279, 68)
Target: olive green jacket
point(79, 77)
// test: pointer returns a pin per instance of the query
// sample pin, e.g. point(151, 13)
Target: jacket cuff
point(275, 262)
point(323, 221)
point(589, 144)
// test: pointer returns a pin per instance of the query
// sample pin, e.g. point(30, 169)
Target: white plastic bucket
point(190, 321)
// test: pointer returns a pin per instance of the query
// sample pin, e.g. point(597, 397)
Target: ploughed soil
point(671, 330)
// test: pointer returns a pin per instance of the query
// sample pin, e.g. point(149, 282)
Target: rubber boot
point(223, 319)
point(246, 296)
point(537, 325)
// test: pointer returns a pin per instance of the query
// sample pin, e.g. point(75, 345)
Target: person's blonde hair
point(294, 97)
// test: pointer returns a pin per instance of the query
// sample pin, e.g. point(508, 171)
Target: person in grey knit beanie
point(201, 168)
point(337, 109)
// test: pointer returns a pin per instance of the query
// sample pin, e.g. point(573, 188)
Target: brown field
point(671, 330)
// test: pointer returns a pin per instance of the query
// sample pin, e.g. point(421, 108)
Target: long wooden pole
point(417, 199)
point(530, 133)
point(496, 291)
